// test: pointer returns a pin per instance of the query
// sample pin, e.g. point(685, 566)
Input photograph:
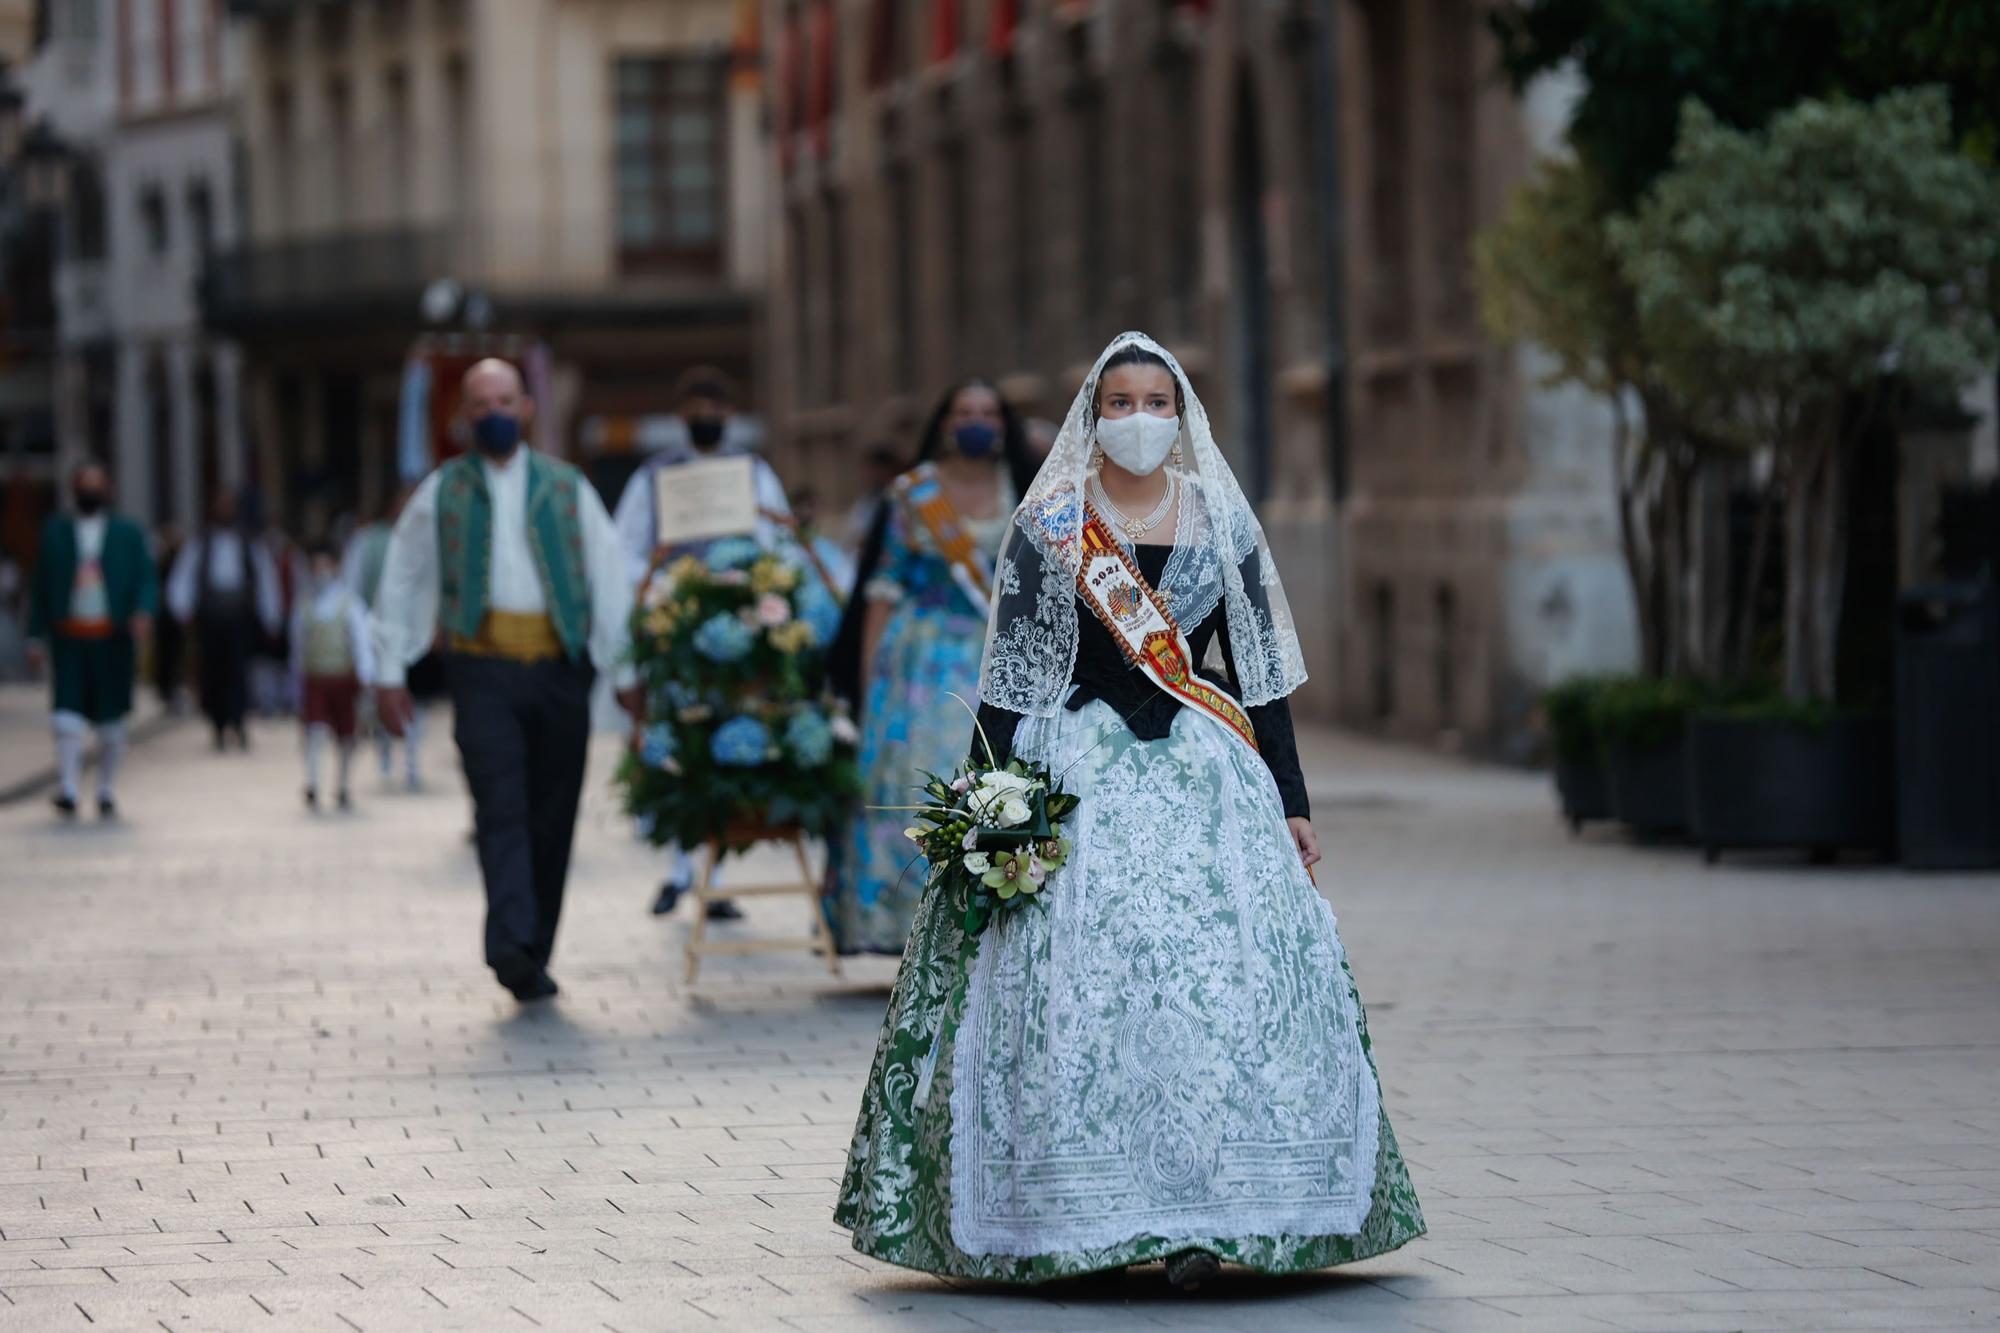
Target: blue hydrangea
point(808, 738)
point(733, 553)
point(656, 745)
point(816, 606)
point(723, 638)
point(676, 696)
point(741, 742)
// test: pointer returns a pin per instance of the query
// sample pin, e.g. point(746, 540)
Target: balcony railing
point(356, 268)
point(379, 277)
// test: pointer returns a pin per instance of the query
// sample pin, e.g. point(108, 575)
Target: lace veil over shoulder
point(1220, 555)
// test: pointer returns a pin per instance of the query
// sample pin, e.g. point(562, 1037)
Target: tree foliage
point(1783, 278)
point(1745, 60)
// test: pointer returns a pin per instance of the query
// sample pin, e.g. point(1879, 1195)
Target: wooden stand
point(699, 946)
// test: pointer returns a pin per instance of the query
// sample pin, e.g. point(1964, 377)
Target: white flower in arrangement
point(961, 784)
point(843, 729)
point(773, 610)
point(915, 835)
point(978, 862)
point(1013, 812)
point(996, 792)
point(971, 839)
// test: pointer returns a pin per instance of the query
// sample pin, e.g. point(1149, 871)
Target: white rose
point(1014, 811)
point(978, 862)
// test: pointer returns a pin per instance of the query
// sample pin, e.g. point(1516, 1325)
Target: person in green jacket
point(90, 604)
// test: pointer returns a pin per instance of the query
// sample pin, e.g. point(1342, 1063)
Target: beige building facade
point(1000, 186)
point(571, 182)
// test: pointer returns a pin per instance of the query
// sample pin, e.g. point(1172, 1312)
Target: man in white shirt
point(226, 586)
point(511, 557)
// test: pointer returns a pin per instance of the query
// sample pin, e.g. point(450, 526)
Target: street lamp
point(45, 162)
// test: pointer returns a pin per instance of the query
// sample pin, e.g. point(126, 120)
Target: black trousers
point(522, 731)
point(225, 642)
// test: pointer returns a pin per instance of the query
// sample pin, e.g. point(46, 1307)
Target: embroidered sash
point(1113, 588)
point(923, 494)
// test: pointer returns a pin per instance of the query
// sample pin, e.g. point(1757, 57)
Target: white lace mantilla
point(1168, 1045)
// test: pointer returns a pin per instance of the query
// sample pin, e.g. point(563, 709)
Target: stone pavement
point(252, 1076)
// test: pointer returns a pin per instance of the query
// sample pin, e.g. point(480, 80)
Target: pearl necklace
point(1135, 528)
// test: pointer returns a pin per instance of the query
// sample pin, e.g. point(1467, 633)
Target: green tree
point(1785, 279)
point(1745, 60)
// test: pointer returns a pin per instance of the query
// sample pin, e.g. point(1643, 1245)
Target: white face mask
point(1138, 443)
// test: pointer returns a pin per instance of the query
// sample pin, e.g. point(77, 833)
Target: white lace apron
point(1167, 1045)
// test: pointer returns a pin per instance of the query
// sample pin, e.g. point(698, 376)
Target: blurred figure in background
point(911, 639)
point(882, 466)
point(270, 666)
point(361, 568)
point(169, 639)
point(705, 405)
point(511, 555)
point(92, 600)
point(332, 662)
point(225, 586)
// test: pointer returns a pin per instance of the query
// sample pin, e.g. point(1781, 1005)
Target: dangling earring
point(1097, 457)
point(1174, 460)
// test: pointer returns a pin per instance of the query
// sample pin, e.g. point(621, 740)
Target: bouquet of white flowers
point(992, 836)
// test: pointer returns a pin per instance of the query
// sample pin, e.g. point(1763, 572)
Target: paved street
point(252, 1076)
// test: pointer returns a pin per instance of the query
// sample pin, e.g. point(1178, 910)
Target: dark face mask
point(496, 434)
point(89, 502)
point(705, 432)
point(975, 439)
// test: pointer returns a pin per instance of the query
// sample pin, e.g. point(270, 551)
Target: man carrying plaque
point(722, 507)
point(510, 554)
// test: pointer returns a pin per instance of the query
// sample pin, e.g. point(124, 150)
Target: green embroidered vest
point(555, 536)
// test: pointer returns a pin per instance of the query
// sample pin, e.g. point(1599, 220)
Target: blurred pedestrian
point(361, 567)
point(911, 639)
point(271, 692)
point(706, 407)
point(510, 552)
point(332, 661)
point(225, 586)
point(169, 639)
point(91, 603)
point(881, 466)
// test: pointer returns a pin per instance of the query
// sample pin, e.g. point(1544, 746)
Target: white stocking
point(315, 741)
point(70, 729)
point(413, 739)
point(345, 760)
point(111, 743)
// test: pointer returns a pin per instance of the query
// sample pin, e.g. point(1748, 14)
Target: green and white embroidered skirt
point(1165, 1052)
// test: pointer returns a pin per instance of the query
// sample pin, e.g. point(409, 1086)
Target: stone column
point(183, 462)
point(129, 462)
point(225, 362)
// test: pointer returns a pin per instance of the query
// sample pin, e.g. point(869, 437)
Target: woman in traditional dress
point(1163, 1057)
point(911, 639)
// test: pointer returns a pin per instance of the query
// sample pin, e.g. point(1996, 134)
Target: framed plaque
point(710, 497)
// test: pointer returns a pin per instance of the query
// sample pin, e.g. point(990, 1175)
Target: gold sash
point(1111, 585)
point(920, 491)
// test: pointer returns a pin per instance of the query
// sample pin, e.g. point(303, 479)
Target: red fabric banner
point(944, 31)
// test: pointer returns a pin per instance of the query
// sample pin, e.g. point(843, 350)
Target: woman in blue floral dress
point(912, 639)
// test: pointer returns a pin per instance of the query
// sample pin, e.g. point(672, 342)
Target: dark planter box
point(1764, 783)
point(1581, 789)
point(1648, 787)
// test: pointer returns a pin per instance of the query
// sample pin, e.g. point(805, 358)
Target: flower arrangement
point(729, 650)
point(993, 836)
